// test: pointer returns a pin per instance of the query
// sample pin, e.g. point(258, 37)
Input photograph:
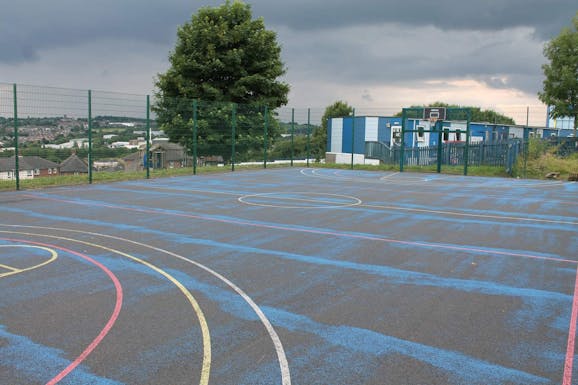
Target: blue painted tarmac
point(303, 276)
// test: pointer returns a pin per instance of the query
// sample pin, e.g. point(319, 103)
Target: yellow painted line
point(455, 213)
point(6, 267)
point(206, 366)
point(13, 270)
point(388, 176)
point(283, 364)
point(183, 190)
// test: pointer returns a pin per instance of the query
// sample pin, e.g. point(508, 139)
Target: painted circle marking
point(206, 364)
point(111, 321)
point(280, 351)
point(16, 270)
point(315, 200)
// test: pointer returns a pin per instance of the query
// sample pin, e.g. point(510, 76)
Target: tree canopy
point(478, 115)
point(561, 72)
point(319, 141)
point(222, 56)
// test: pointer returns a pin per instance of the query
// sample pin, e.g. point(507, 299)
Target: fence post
point(439, 126)
point(16, 149)
point(265, 137)
point(308, 135)
point(195, 107)
point(89, 136)
point(401, 148)
point(292, 133)
point(352, 137)
point(467, 147)
point(233, 129)
point(148, 146)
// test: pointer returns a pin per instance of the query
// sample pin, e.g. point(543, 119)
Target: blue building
point(349, 132)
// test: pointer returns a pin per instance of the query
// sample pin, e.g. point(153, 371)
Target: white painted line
point(282, 358)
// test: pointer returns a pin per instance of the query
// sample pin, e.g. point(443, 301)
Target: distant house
point(134, 161)
point(73, 165)
point(213, 160)
point(30, 167)
point(169, 155)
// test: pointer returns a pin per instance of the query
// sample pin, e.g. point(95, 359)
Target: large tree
point(319, 140)
point(561, 82)
point(222, 56)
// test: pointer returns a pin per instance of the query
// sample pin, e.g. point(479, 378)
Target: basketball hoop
point(433, 114)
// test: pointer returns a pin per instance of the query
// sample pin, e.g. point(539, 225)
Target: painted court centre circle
point(300, 200)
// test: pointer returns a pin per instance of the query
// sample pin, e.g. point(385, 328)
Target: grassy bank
point(542, 159)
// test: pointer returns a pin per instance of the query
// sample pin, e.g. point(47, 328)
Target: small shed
point(73, 165)
point(169, 155)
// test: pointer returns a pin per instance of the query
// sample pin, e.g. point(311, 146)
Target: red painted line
point(321, 232)
point(109, 324)
point(567, 379)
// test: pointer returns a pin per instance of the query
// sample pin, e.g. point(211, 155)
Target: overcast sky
point(373, 54)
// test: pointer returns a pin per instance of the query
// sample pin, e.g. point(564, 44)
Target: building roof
point(173, 151)
point(73, 164)
point(166, 146)
point(26, 163)
point(135, 156)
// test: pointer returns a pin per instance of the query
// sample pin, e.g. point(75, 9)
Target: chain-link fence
point(56, 136)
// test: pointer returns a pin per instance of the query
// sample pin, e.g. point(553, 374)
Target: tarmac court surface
point(291, 276)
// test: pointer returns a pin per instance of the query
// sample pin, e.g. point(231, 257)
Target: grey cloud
point(365, 42)
point(506, 59)
point(547, 17)
point(37, 25)
point(28, 26)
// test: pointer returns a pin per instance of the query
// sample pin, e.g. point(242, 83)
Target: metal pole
point(352, 138)
point(89, 136)
point(526, 138)
point(233, 129)
point(308, 135)
point(401, 149)
point(16, 149)
point(195, 108)
point(292, 133)
point(467, 148)
point(265, 137)
point(439, 127)
point(148, 147)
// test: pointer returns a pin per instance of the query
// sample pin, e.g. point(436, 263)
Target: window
point(420, 133)
point(37, 171)
point(49, 171)
point(458, 135)
point(446, 134)
point(396, 133)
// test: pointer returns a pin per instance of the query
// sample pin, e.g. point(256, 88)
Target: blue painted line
point(244, 222)
point(398, 276)
point(463, 369)
point(521, 202)
point(33, 362)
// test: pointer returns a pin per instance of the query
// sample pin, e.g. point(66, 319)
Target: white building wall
point(371, 127)
point(336, 135)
